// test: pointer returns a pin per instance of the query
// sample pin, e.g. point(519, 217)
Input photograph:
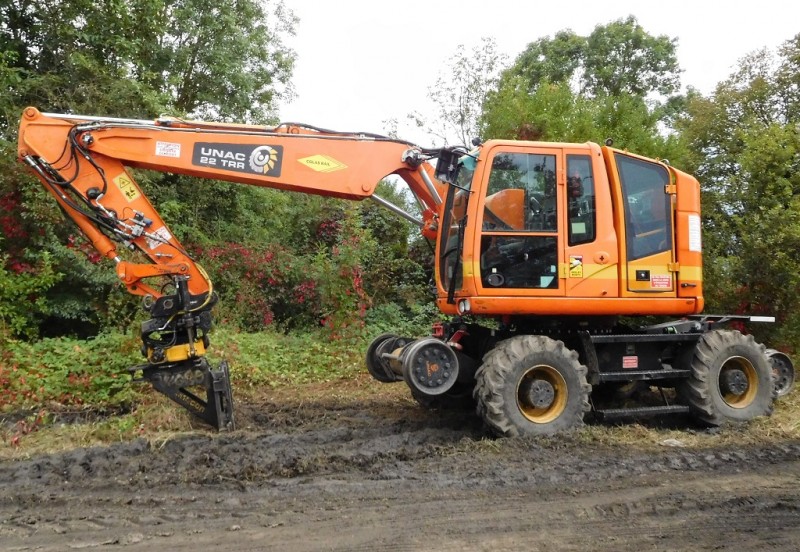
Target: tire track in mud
point(442, 456)
point(738, 511)
point(357, 479)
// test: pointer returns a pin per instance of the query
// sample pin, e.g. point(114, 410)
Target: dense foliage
point(618, 82)
point(279, 259)
point(744, 146)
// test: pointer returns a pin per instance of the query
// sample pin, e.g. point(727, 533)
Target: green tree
point(621, 57)
point(553, 60)
point(224, 59)
point(615, 59)
point(744, 146)
point(610, 84)
point(138, 58)
point(552, 111)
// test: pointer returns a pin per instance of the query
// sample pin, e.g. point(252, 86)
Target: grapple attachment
point(175, 341)
point(186, 382)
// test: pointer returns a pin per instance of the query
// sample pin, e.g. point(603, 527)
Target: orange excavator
point(540, 249)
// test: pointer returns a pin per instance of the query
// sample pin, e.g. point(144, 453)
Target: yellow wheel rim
point(542, 375)
point(742, 400)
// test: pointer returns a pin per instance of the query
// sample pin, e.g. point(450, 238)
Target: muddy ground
point(380, 474)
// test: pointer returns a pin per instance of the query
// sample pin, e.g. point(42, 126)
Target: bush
point(66, 371)
point(413, 321)
point(273, 359)
point(22, 300)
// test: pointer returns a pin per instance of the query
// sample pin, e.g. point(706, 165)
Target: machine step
point(641, 412)
point(631, 375)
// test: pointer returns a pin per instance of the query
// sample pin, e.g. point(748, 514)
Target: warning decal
point(127, 187)
point(159, 235)
point(695, 234)
point(630, 362)
point(168, 149)
point(576, 266)
point(661, 281)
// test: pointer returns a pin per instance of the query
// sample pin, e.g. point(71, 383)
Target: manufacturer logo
point(263, 160)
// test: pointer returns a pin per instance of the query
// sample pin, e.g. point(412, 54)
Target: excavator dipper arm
point(83, 162)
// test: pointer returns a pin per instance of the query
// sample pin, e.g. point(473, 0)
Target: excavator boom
point(84, 163)
point(83, 160)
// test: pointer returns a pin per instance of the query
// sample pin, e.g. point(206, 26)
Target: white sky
point(360, 63)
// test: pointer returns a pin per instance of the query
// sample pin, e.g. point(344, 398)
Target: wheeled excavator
point(544, 254)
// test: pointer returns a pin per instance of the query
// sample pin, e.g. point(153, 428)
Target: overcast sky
point(360, 63)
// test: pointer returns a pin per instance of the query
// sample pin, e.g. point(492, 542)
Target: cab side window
point(580, 200)
point(648, 221)
point(522, 194)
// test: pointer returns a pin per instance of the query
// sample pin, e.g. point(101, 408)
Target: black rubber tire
point(498, 380)
point(715, 351)
point(458, 398)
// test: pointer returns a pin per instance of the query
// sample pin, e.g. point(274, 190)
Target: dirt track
point(377, 475)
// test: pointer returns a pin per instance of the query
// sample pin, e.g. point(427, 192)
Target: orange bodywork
point(593, 267)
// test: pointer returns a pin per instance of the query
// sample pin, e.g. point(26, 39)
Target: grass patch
point(269, 359)
point(60, 394)
point(67, 372)
point(783, 425)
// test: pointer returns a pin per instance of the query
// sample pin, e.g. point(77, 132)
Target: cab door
point(591, 240)
point(519, 247)
point(648, 210)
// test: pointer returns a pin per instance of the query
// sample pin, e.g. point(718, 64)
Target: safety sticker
point(168, 149)
point(322, 163)
point(661, 281)
point(162, 233)
point(576, 266)
point(127, 187)
point(630, 362)
point(695, 234)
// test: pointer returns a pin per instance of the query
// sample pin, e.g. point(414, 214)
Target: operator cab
point(535, 228)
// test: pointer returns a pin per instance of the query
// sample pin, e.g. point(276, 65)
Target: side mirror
point(447, 165)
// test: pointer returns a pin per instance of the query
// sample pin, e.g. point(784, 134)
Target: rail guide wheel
point(430, 366)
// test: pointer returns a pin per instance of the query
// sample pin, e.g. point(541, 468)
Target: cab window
point(522, 194)
point(520, 220)
point(648, 227)
point(580, 200)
